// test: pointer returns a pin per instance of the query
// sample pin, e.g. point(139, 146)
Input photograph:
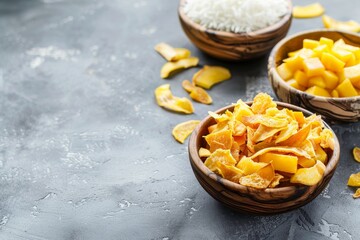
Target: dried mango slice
point(354, 180)
point(220, 155)
point(261, 103)
point(298, 138)
point(281, 162)
point(200, 95)
point(309, 176)
point(271, 122)
point(166, 100)
point(308, 11)
point(211, 75)
point(220, 139)
point(332, 23)
point(188, 86)
point(170, 53)
point(235, 150)
point(203, 152)
point(264, 132)
point(293, 150)
point(327, 139)
point(306, 162)
point(229, 172)
point(276, 180)
point(219, 117)
point(171, 67)
point(181, 131)
point(357, 193)
point(248, 166)
point(286, 133)
point(261, 179)
point(356, 154)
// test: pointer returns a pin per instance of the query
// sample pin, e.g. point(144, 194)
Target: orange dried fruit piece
point(356, 154)
point(332, 23)
point(264, 132)
point(248, 166)
point(220, 155)
point(281, 162)
point(286, 133)
point(261, 103)
point(165, 99)
point(354, 180)
point(260, 179)
point(204, 152)
point(276, 180)
point(229, 172)
point(211, 75)
point(327, 139)
point(170, 53)
point(188, 86)
point(309, 176)
point(219, 140)
point(182, 130)
point(357, 193)
point(289, 150)
point(171, 67)
point(200, 95)
point(298, 138)
point(308, 11)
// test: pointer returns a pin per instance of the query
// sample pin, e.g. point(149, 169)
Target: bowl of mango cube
point(320, 71)
point(263, 156)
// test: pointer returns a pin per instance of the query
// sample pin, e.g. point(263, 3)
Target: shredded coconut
point(236, 15)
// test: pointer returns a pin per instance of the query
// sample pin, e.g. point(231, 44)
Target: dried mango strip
point(181, 131)
point(165, 99)
point(171, 67)
point(170, 53)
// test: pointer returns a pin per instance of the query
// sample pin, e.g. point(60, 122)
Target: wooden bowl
point(248, 199)
point(333, 109)
point(234, 46)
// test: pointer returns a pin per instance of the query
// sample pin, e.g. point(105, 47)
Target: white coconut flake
point(236, 15)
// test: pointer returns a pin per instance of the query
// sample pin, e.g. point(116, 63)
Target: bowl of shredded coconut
point(235, 29)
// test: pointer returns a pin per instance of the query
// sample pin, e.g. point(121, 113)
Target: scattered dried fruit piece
point(170, 67)
point(308, 11)
point(356, 153)
point(211, 75)
point(309, 176)
point(188, 86)
point(181, 131)
point(166, 100)
point(332, 23)
point(200, 95)
point(357, 193)
point(170, 53)
point(354, 180)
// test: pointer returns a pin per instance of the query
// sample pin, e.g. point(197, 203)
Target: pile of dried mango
point(263, 146)
point(354, 179)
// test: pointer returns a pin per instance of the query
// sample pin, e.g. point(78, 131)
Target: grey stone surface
point(85, 152)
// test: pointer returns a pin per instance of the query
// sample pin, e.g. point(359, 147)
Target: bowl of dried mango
point(320, 71)
point(263, 157)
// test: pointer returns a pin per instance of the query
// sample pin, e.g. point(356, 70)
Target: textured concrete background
point(85, 152)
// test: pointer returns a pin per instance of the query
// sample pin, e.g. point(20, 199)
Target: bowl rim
point(272, 67)
point(287, 17)
point(196, 160)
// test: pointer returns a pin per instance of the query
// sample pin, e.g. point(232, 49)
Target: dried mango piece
point(354, 180)
point(281, 162)
point(306, 162)
point(260, 179)
point(293, 150)
point(297, 138)
point(229, 172)
point(181, 131)
point(309, 176)
point(235, 150)
point(171, 67)
point(237, 128)
point(286, 133)
point(220, 139)
point(188, 86)
point(271, 122)
point(248, 166)
point(241, 110)
point(200, 95)
point(211, 75)
point(203, 152)
point(261, 103)
point(263, 132)
point(332, 23)
point(220, 155)
point(170, 53)
point(356, 154)
point(249, 136)
point(308, 11)
point(308, 147)
point(357, 193)
point(276, 180)
point(219, 117)
point(166, 100)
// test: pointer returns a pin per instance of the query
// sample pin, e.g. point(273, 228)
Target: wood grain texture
point(332, 109)
point(234, 46)
point(248, 199)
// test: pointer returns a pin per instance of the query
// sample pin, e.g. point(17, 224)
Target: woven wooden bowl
point(251, 200)
point(333, 109)
point(233, 46)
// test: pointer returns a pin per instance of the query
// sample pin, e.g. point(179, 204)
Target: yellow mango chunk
point(294, 63)
point(284, 71)
point(248, 166)
point(301, 78)
point(181, 131)
point(171, 67)
point(313, 67)
point(220, 155)
point(331, 79)
point(308, 11)
point(342, 45)
point(331, 62)
point(281, 162)
point(354, 180)
point(327, 41)
point(293, 83)
point(318, 51)
point(342, 54)
point(334, 93)
point(332, 23)
point(306, 162)
point(165, 99)
point(305, 53)
point(353, 74)
point(318, 91)
point(170, 53)
point(204, 152)
point(309, 176)
point(317, 81)
point(211, 75)
point(346, 89)
point(311, 44)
